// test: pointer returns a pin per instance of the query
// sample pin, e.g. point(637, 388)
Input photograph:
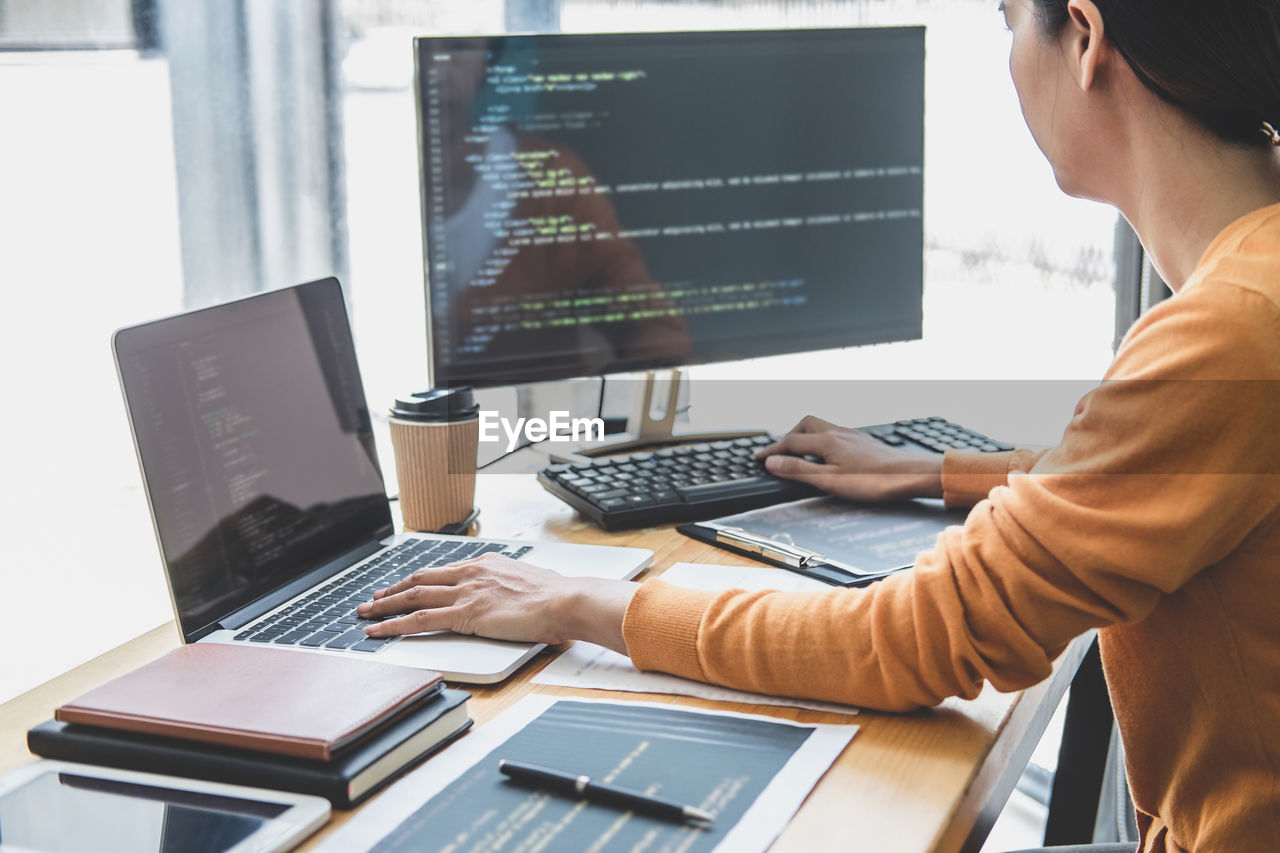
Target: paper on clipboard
point(862, 539)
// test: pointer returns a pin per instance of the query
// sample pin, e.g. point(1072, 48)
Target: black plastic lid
point(440, 405)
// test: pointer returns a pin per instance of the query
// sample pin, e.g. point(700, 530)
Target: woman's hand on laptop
point(851, 464)
point(497, 597)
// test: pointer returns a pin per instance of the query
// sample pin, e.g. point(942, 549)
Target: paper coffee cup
point(434, 437)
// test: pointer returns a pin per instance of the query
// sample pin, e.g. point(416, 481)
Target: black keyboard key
point(347, 640)
point(292, 637)
point(615, 493)
point(315, 641)
point(706, 491)
point(369, 644)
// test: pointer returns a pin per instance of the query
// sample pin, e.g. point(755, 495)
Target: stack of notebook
point(315, 724)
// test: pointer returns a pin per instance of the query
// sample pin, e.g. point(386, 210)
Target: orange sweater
point(1156, 519)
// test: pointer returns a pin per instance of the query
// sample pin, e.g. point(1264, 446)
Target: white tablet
point(56, 807)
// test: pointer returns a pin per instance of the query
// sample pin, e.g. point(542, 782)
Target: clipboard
point(781, 555)
point(831, 540)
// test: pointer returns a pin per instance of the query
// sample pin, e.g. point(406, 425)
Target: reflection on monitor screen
point(595, 204)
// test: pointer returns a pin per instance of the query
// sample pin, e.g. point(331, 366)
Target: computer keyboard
point(704, 481)
point(326, 616)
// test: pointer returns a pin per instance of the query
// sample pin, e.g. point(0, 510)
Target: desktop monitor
point(599, 204)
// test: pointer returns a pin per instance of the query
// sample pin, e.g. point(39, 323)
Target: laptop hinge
point(275, 598)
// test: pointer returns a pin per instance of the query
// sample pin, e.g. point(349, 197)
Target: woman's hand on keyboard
point(851, 464)
point(497, 597)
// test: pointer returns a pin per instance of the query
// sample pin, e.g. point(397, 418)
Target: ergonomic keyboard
point(697, 482)
point(326, 616)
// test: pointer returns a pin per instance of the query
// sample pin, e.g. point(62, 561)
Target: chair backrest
point(1116, 819)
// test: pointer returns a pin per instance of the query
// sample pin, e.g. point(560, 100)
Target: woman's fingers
point(491, 595)
point(407, 601)
point(418, 622)
point(798, 444)
point(435, 576)
point(801, 470)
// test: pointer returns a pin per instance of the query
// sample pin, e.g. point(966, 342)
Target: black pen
point(581, 786)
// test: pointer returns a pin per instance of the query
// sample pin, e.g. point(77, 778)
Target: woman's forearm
point(592, 609)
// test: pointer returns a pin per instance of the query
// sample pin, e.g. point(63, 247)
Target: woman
point(1157, 518)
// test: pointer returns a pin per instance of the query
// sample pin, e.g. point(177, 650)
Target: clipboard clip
point(770, 549)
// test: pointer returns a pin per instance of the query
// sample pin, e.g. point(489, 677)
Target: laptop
point(258, 461)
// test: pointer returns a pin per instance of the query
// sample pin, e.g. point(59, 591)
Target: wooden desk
point(929, 781)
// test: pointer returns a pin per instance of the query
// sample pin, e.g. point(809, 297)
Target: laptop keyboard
point(326, 616)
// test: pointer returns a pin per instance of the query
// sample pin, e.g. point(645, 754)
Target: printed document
point(750, 772)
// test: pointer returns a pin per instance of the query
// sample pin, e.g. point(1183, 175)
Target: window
point(88, 213)
point(73, 25)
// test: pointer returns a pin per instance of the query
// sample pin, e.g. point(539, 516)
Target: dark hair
point(1218, 61)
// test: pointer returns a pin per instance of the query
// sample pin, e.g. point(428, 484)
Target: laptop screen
point(256, 445)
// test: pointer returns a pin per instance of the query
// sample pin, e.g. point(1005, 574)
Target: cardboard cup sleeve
point(436, 469)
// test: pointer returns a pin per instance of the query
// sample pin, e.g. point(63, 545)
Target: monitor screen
point(596, 204)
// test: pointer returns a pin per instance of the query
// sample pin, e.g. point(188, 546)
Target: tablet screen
point(69, 813)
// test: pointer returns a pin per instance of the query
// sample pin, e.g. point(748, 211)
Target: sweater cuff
point(661, 626)
point(967, 478)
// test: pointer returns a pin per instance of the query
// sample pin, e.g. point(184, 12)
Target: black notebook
point(350, 777)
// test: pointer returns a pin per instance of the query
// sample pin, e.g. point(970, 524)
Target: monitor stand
point(644, 431)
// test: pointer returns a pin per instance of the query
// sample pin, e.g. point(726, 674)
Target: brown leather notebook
point(249, 697)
